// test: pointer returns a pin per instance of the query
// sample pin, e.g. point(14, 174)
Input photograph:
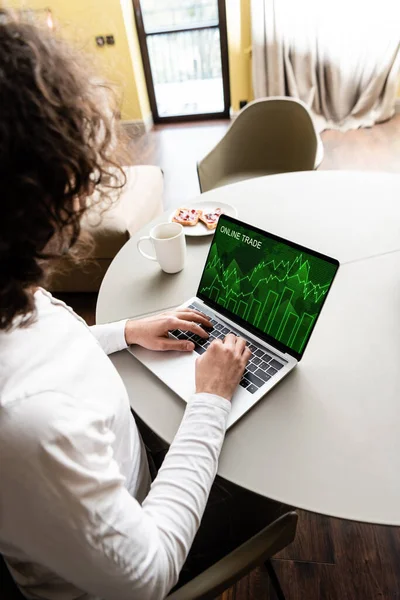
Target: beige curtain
point(341, 57)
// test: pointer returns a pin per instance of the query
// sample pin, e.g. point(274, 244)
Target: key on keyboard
point(262, 375)
point(276, 364)
point(254, 380)
point(182, 335)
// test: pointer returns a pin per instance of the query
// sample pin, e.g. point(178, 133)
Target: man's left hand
point(152, 332)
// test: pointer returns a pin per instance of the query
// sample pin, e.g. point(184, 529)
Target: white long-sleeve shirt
point(78, 519)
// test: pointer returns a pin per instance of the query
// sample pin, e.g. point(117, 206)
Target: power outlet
point(102, 40)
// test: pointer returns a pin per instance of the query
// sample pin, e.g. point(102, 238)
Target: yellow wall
point(80, 21)
point(134, 48)
point(239, 44)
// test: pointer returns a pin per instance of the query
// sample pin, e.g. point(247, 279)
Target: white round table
point(327, 438)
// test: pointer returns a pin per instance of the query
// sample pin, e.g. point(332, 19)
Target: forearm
point(180, 492)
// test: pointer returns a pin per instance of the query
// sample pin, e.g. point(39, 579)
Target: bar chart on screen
point(279, 294)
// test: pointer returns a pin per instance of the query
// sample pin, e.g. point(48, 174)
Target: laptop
point(262, 287)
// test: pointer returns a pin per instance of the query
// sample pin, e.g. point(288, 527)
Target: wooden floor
point(330, 559)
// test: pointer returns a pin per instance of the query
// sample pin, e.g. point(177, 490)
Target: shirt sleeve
point(110, 336)
point(72, 513)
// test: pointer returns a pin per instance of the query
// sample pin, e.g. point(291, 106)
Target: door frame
point(225, 114)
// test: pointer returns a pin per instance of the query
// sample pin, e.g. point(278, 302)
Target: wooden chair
point(269, 136)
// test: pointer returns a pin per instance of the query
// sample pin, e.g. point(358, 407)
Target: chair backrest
point(272, 135)
point(227, 571)
point(8, 589)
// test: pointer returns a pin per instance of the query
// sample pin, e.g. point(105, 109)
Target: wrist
point(214, 391)
point(130, 332)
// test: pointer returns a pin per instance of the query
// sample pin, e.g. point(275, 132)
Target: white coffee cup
point(169, 242)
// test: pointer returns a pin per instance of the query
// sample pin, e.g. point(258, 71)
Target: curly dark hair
point(57, 144)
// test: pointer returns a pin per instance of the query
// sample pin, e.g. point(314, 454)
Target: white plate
point(207, 206)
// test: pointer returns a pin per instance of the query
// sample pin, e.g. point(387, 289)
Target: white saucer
point(207, 206)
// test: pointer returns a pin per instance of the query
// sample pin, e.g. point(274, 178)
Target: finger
point(240, 345)
point(190, 326)
point(196, 318)
point(177, 345)
point(188, 309)
point(215, 344)
point(194, 315)
point(247, 354)
point(245, 357)
point(230, 340)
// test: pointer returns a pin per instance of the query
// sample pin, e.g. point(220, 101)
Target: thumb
point(177, 345)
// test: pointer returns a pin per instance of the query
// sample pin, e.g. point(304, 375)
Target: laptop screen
point(266, 284)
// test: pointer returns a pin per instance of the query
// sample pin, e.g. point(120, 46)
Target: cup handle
point(140, 240)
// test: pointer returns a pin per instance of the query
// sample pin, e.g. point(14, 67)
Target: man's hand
point(220, 368)
point(152, 332)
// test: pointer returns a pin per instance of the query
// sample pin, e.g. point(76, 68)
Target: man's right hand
point(220, 368)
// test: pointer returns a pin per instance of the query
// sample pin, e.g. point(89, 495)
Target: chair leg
point(274, 580)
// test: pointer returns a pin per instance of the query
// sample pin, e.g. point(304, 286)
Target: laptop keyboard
point(262, 366)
